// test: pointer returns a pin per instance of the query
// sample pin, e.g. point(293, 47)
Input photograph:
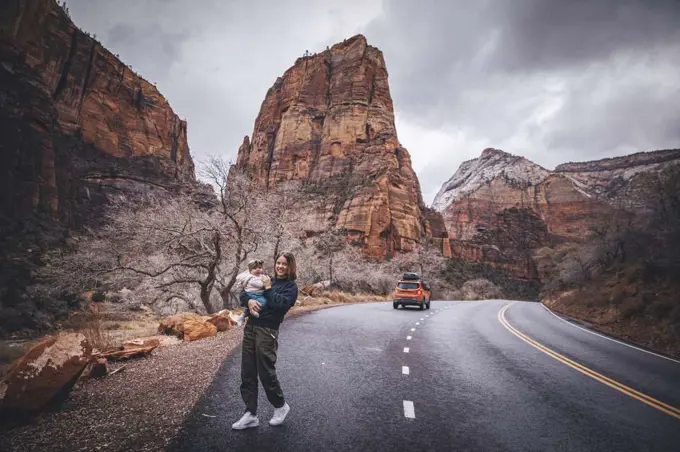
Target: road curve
point(368, 377)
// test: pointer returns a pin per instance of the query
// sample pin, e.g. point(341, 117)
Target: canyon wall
point(328, 125)
point(77, 127)
point(500, 207)
point(75, 122)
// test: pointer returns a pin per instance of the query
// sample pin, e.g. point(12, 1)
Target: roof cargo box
point(408, 276)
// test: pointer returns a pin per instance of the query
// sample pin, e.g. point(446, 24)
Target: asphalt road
point(473, 385)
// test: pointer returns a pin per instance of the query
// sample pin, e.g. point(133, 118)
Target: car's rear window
point(408, 285)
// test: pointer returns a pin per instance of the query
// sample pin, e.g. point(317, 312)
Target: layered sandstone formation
point(500, 207)
point(497, 181)
point(75, 122)
point(625, 182)
point(500, 192)
point(328, 125)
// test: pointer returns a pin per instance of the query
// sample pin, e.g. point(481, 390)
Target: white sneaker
point(248, 420)
point(279, 415)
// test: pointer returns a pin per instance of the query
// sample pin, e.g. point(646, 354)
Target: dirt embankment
point(645, 315)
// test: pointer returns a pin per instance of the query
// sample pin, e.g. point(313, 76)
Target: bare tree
point(665, 220)
point(582, 263)
point(607, 238)
point(244, 214)
point(280, 205)
point(169, 244)
point(426, 259)
point(328, 243)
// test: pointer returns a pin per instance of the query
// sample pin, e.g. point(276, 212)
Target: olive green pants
point(258, 358)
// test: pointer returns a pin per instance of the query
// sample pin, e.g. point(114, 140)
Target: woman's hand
point(254, 306)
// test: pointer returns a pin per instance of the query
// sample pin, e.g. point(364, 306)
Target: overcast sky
point(551, 80)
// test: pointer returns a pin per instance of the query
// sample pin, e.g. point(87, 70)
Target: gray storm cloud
point(552, 80)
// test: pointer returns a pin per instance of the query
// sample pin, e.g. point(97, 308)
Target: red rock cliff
point(328, 124)
point(497, 181)
point(499, 207)
point(623, 182)
point(76, 122)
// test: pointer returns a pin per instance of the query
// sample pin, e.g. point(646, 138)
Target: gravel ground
point(140, 408)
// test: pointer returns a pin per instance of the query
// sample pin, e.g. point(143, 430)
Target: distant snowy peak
point(475, 173)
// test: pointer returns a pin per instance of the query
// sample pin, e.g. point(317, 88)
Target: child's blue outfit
point(254, 288)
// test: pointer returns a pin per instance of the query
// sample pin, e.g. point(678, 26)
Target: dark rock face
point(508, 243)
point(75, 122)
point(435, 230)
point(76, 127)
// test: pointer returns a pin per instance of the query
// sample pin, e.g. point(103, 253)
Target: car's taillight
point(420, 291)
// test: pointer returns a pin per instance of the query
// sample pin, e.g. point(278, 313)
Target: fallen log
point(130, 350)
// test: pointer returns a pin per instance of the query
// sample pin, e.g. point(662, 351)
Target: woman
point(260, 343)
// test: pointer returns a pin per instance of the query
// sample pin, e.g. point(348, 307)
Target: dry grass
point(105, 328)
point(329, 297)
point(92, 323)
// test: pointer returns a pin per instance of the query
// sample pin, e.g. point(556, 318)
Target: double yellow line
point(644, 398)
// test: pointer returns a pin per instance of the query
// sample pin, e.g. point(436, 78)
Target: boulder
point(149, 342)
point(190, 326)
point(46, 373)
point(200, 328)
point(128, 351)
point(131, 349)
point(97, 368)
point(316, 288)
point(222, 320)
point(174, 325)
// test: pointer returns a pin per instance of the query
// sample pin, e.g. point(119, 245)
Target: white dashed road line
point(409, 412)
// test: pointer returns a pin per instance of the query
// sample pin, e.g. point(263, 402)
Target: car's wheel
point(422, 305)
point(395, 305)
point(428, 304)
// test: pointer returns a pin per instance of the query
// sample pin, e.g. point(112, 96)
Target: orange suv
point(411, 290)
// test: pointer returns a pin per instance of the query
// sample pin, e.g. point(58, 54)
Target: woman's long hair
point(292, 267)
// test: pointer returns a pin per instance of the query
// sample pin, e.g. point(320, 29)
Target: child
point(253, 285)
